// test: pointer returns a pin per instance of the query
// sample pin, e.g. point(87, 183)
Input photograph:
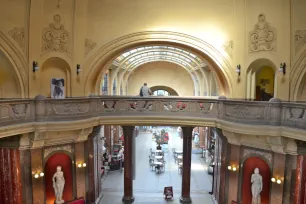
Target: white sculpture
point(256, 188)
point(58, 184)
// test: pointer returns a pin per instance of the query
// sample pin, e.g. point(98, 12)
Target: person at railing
point(145, 90)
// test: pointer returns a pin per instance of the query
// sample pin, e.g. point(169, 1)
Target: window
point(161, 93)
point(114, 87)
point(105, 85)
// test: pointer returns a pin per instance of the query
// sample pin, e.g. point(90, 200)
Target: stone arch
point(98, 62)
point(252, 70)
point(55, 67)
point(18, 62)
point(297, 79)
point(170, 90)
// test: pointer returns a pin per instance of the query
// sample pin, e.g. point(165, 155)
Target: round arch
point(297, 77)
point(18, 62)
point(170, 90)
point(253, 69)
point(97, 63)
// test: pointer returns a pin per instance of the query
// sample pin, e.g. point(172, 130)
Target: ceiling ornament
point(228, 48)
point(263, 37)
point(89, 45)
point(55, 37)
point(300, 39)
point(17, 33)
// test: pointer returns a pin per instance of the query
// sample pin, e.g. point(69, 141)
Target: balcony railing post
point(221, 107)
point(275, 112)
point(40, 107)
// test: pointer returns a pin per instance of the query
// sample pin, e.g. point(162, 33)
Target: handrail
point(41, 109)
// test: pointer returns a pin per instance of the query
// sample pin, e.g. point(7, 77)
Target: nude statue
point(256, 188)
point(58, 184)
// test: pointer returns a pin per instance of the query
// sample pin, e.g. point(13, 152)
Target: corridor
point(149, 186)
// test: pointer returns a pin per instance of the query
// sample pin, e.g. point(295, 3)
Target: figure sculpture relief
point(58, 184)
point(256, 188)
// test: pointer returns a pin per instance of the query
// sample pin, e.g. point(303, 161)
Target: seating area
point(157, 161)
point(178, 159)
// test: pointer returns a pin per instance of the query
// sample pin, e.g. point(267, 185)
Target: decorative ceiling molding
point(263, 37)
point(55, 37)
point(89, 45)
point(300, 39)
point(17, 33)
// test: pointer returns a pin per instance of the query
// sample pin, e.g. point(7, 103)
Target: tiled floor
point(148, 186)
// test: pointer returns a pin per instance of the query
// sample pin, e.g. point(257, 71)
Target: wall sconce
point(80, 165)
point(238, 69)
point(282, 68)
point(78, 69)
point(37, 175)
point(232, 168)
point(35, 66)
point(275, 180)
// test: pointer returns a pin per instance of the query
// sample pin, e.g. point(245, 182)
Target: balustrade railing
point(40, 109)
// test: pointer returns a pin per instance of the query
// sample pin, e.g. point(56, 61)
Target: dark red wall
point(248, 169)
point(10, 178)
point(63, 160)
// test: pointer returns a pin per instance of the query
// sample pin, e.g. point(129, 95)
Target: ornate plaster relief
point(300, 39)
point(17, 33)
point(228, 47)
point(263, 37)
point(89, 45)
point(55, 37)
point(49, 150)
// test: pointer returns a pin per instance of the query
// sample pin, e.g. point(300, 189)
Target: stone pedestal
point(187, 148)
point(128, 196)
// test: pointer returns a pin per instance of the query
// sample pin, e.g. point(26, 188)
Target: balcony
point(247, 117)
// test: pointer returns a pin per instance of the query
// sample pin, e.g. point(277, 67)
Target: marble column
point(128, 196)
point(187, 148)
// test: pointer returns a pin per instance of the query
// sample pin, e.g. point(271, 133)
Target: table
point(158, 157)
point(179, 152)
point(180, 157)
point(157, 151)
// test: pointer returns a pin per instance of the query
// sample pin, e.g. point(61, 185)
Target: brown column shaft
point(187, 147)
point(202, 136)
point(128, 132)
point(107, 135)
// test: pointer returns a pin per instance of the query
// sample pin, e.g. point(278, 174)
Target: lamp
point(238, 69)
point(80, 165)
point(273, 179)
point(41, 174)
point(36, 176)
point(84, 164)
point(35, 66)
point(276, 180)
point(78, 69)
point(282, 68)
point(232, 168)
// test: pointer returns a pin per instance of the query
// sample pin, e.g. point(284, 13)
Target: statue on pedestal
point(256, 188)
point(58, 184)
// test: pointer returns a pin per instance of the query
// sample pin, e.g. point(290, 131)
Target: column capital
point(187, 131)
point(128, 130)
point(301, 147)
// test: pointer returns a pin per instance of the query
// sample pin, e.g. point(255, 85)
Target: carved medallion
point(296, 113)
point(253, 152)
point(55, 37)
point(18, 35)
point(228, 48)
point(49, 150)
point(20, 110)
point(89, 45)
point(263, 37)
point(300, 39)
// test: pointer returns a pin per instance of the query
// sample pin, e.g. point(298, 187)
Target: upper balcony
point(274, 118)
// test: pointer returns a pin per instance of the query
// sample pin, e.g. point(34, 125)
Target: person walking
point(145, 90)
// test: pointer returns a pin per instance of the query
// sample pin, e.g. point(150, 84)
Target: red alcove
point(63, 160)
point(248, 169)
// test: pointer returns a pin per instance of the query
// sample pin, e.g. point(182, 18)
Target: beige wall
point(161, 74)
point(208, 25)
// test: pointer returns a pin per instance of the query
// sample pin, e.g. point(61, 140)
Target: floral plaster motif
point(17, 33)
point(49, 150)
point(300, 39)
point(250, 152)
point(263, 37)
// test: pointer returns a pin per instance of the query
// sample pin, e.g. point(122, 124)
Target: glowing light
point(273, 180)
point(278, 181)
point(234, 168)
point(84, 164)
point(36, 176)
point(79, 165)
point(229, 167)
point(41, 174)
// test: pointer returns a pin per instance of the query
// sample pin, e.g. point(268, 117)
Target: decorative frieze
point(300, 39)
point(263, 37)
point(55, 37)
point(17, 33)
point(49, 150)
point(89, 45)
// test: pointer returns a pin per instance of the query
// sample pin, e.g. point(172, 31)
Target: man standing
point(145, 90)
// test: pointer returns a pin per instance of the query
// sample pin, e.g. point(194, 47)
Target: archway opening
point(163, 91)
point(261, 84)
point(103, 60)
point(264, 88)
point(248, 170)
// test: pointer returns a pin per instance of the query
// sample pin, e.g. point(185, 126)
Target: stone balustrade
point(41, 109)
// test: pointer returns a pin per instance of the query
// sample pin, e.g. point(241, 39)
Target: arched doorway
point(261, 80)
point(163, 91)
point(248, 169)
point(102, 60)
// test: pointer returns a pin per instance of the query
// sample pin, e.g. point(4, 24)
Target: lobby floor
point(149, 186)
